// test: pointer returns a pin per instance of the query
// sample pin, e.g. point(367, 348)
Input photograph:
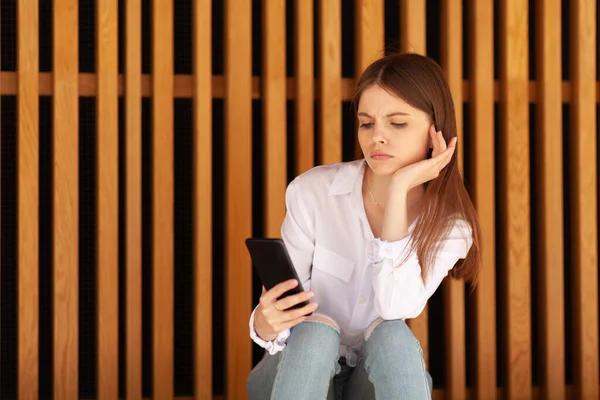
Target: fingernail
point(311, 294)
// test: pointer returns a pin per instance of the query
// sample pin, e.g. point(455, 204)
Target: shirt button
point(362, 300)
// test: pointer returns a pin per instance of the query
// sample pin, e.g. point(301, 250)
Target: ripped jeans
point(392, 366)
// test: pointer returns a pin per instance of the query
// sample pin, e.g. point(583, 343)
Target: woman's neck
point(379, 185)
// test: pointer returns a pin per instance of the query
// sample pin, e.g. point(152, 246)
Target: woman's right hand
point(272, 316)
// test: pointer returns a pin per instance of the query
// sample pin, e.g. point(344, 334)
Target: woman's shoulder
point(318, 180)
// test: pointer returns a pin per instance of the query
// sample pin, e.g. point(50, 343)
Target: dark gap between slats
point(87, 36)
point(8, 272)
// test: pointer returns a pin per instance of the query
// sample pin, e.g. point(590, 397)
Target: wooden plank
point(107, 245)
point(481, 156)
point(413, 26)
point(515, 199)
point(549, 186)
point(28, 199)
point(304, 85)
point(66, 199)
point(584, 130)
point(274, 115)
point(454, 290)
point(203, 200)
point(162, 202)
point(133, 198)
point(369, 33)
point(238, 189)
point(412, 39)
point(330, 72)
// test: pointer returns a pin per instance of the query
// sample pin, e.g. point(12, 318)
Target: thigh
point(359, 387)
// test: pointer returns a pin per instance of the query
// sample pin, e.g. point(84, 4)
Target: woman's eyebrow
point(363, 114)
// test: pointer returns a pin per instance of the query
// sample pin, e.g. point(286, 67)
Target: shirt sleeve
point(297, 232)
point(399, 290)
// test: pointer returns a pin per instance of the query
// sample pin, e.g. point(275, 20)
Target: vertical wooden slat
point(133, 198)
point(238, 189)
point(28, 198)
point(454, 290)
point(413, 26)
point(330, 79)
point(274, 114)
point(305, 85)
point(66, 199)
point(412, 39)
point(107, 246)
point(549, 181)
point(369, 33)
point(514, 82)
point(584, 131)
point(162, 201)
point(202, 54)
point(481, 155)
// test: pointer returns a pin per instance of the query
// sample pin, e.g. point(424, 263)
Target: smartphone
point(273, 264)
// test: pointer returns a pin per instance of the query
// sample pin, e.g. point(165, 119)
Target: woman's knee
point(318, 333)
point(392, 334)
point(323, 319)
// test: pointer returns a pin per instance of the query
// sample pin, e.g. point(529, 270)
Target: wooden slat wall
point(274, 115)
point(238, 193)
point(549, 178)
point(454, 290)
point(583, 137)
point(108, 201)
point(28, 199)
point(514, 210)
point(66, 199)
point(513, 92)
point(133, 199)
point(481, 155)
point(162, 201)
point(304, 141)
point(330, 72)
point(203, 354)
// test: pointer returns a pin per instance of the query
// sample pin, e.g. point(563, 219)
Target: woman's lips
point(380, 156)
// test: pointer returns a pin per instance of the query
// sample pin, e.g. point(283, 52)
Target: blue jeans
point(392, 367)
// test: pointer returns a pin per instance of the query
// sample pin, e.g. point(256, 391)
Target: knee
point(317, 334)
point(392, 334)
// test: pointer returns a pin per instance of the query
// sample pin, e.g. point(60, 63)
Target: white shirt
point(356, 278)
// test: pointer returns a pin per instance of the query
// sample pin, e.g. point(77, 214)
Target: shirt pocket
point(332, 263)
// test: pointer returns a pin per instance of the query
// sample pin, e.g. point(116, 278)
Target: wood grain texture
point(133, 199)
point(28, 199)
point(549, 187)
point(274, 115)
point(454, 290)
point(238, 189)
point(107, 220)
point(583, 136)
point(481, 156)
point(369, 33)
point(66, 199)
point(303, 86)
point(514, 168)
point(162, 201)
point(203, 263)
point(413, 26)
point(330, 72)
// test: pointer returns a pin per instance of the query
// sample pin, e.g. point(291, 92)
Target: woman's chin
point(382, 169)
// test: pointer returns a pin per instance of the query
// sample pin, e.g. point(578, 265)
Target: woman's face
point(391, 133)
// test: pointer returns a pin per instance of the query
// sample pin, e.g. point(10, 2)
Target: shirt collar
point(346, 177)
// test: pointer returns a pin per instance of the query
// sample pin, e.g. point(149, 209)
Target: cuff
point(272, 346)
point(379, 250)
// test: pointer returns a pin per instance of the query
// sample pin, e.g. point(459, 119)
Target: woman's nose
point(378, 135)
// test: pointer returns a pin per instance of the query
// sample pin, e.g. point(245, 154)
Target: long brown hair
point(420, 82)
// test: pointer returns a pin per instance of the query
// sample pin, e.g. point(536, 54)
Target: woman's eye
point(366, 125)
point(398, 125)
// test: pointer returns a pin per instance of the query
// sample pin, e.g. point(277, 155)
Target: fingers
point(276, 291)
point(291, 301)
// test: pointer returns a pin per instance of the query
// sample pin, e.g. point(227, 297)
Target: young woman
point(371, 241)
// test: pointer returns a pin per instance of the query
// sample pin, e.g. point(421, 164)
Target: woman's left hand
point(420, 172)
